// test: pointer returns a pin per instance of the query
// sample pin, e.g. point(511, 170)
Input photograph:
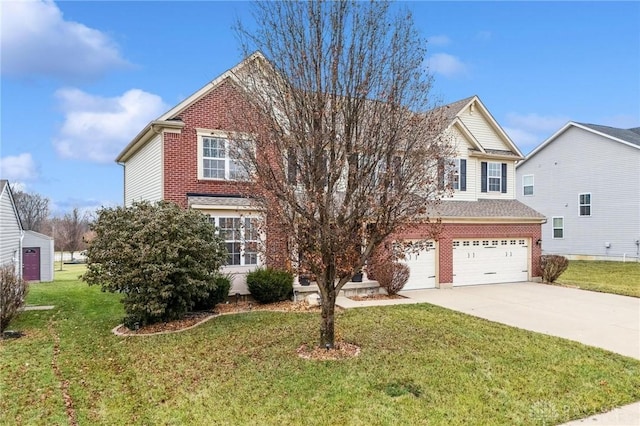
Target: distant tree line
point(70, 231)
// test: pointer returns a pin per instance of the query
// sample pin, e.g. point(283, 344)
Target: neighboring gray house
point(586, 180)
point(37, 257)
point(11, 233)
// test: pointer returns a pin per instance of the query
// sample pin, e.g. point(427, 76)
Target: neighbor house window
point(216, 159)
point(494, 176)
point(585, 204)
point(240, 235)
point(558, 227)
point(527, 185)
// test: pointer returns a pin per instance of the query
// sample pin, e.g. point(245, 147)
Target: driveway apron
point(603, 320)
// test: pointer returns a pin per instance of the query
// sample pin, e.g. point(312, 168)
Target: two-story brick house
point(486, 236)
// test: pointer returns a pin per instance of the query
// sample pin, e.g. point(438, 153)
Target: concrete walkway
point(603, 320)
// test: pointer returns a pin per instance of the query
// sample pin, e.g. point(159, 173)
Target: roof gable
point(5, 191)
point(629, 137)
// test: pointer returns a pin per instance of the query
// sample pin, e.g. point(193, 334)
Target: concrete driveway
point(603, 320)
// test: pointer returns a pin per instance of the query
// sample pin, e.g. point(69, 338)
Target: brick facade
point(447, 232)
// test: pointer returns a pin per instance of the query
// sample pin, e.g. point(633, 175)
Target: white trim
point(532, 185)
point(553, 228)
point(590, 205)
point(218, 134)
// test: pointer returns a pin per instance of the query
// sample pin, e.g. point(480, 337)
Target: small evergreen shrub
point(217, 293)
point(391, 275)
point(13, 292)
point(268, 285)
point(552, 267)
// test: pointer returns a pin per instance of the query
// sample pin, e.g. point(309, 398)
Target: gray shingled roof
point(484, 209)
point(450, 111)
point(627, 135)
point(214, 201)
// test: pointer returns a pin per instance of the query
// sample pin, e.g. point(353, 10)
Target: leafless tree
point(33, 210)
point(342, 148)
point(69, 231)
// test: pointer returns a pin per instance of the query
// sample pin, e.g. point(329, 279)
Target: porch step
point(365, 288)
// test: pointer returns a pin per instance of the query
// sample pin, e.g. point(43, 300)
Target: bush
point(217, 293)
point(552, 267)
point(161, 257)
point(270, 285)
point(13, 292)
point(391, 275)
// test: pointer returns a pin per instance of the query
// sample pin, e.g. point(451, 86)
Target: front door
point(31, 263)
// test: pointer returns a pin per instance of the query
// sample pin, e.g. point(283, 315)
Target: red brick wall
point(450, 231)
point(181, 150)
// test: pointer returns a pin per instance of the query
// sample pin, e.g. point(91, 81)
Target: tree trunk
point(327, 325)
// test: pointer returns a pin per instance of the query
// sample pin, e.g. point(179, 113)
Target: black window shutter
point(292, 167)
point(504, 178)
point(463, 175)
point(483, 176)
point(441, 174)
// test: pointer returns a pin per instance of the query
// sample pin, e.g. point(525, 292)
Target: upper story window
point(494, 176)
point(558, 227)
point(453, 173)
point(216, 157)
point(585, 204)
point(527, 185)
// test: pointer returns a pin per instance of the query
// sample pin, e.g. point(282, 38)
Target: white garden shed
point(37, 257)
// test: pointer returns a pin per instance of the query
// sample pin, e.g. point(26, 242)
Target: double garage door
point(490, 261)
point(475, 261)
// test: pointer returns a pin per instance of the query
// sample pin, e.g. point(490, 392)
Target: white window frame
point(553, 227)
point(526, 185)
point(242, 240)
point(452, 173)
point(229, 162)
point(492, 168)
point(581, 205)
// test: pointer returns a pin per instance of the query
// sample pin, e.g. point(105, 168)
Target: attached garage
point(490, 261)
point(422, 268)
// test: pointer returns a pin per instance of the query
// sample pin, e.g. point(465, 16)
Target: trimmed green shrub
point(13, 292)
point(218, 293)
point(552, 267)
point(162, 258)
point(268, 285)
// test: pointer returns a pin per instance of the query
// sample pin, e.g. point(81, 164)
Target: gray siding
point(143, 173)
point(576, 162)
point(10, 232)
point(34, 239)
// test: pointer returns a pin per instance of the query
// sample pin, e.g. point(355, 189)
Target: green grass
point(607, 277)
point(419, 364)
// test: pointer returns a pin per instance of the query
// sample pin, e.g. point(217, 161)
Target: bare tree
point(33, 210)
point(342, 151)
point(70, 230)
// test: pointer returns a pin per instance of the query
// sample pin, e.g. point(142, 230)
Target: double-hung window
point(585, 204)
point(494, 177)
point(527, 185)
point(240, 235)
point(217, 158)
point(558, 227)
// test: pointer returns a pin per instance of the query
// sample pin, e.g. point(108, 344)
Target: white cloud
point(530, 130)
point(37, 41)
point(439, 40)
point(18, 168)
point(97, 128)
point(447, 65)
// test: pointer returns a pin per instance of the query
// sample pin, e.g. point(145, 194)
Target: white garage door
point(490, 261)
point(422, 268)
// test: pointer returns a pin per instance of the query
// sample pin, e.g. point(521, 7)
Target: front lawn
point(419, 364)
point(608, 277)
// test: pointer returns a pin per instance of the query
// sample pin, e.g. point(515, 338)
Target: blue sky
point(80, 79)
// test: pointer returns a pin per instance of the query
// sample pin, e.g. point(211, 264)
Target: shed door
point(490, 261)
point(31, 263)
